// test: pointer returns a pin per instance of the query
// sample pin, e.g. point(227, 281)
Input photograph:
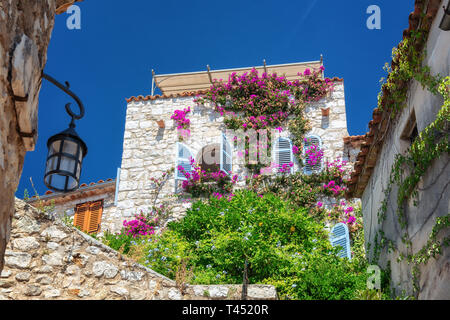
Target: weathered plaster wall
point(149, 150)
point(434, 192)
point(47, 260)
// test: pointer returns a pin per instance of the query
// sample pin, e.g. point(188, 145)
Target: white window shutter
point(308, 169)
point(226, 159)
point(339, 236)
point(283, 153)
point(183, 159)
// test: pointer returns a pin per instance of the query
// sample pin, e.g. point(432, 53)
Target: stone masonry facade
point(149, 150)
point(48, 260)
point(25, 29)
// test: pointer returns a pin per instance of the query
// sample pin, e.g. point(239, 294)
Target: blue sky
point(110, 59)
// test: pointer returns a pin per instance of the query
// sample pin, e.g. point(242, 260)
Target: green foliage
point(26, 195)
point(283, 244)
point(406, 65)
point(120, 242)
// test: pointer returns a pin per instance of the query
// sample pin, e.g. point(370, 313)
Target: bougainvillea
point(182, 123)
point(254, 101)
point(140, 226)
point(205, 183)
point(313, 155)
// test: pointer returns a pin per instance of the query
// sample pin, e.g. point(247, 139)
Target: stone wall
point(48, 260)
point(149, 150)
point(25, 29)
point(433, 189)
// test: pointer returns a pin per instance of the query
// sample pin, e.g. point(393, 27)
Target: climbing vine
point(407, 64)
point(431, 143)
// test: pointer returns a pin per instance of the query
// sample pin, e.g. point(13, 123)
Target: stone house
point(388, 242)
point(151, 144)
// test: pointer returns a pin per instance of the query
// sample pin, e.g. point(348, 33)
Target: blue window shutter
point(283, 152)
point(183, 159)
point(308, 169)
point(226, 160)
point(339, 236)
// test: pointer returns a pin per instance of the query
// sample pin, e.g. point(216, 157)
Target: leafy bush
point(284, 246)
point(120, 242)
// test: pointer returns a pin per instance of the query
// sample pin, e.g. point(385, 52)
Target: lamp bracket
point(75, 116)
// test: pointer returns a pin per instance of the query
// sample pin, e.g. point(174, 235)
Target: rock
point(44, 269)
point(5, 274)
point(54, 233)
point(53, 259)
point(138, 294)
point(262, 292)
point(25, 244)
point(45, 280)
point(26, 224)
point(131, 275)
point(218, 292)
point(102, 294)
point(73, 269)
point(23, 276)
point(17, 260)
point(121, 291)
point(84, 293)
point(52, 293)
point(105, 269)
point(32, 291)
point(93, 250)
point(53, 246)
point(174, 294)
point(6, 283)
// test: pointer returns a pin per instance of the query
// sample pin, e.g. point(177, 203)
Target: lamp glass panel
point(70, 147)
point(67, 164)
point(52, 164)
point(54, 147)
point(78, 171)
point(58, 182)
point(72, 183)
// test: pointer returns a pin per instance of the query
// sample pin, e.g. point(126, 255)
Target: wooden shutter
point(308, 169)
point(88, 216)
point(226, 160)
point(95, 217)
point(340, 237)
point(183, 159)
point(283, 153)
point(81, 215)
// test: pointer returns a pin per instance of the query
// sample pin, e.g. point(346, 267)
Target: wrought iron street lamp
point(66, 150)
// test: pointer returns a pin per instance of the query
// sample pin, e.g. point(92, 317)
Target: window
point(88, 216)
point(410, 131)
point(183, 159)
point(317, 166)
point(209, 158)
point(226, 164)
point(339, 236)
point(283, 153)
